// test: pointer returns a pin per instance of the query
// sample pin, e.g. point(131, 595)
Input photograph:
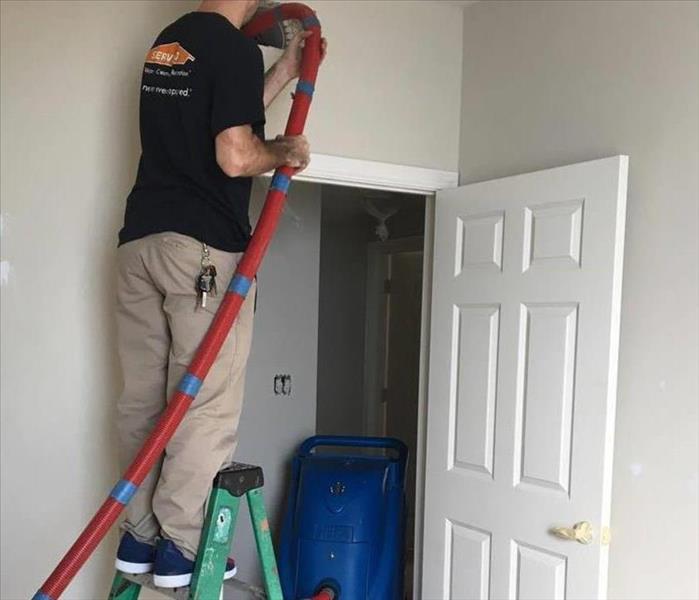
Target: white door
point(522, 383)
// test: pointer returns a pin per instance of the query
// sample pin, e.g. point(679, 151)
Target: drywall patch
point(636, 469)
point(4, 273)
point(4, 264)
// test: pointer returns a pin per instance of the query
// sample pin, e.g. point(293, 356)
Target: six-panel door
point(522, 382)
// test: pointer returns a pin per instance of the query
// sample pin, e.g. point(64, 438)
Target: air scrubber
point(345, 521)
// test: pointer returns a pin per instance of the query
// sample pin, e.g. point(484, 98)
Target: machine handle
point(355, 442)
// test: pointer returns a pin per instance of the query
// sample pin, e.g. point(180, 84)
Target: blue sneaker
point(134, 557)
point(174, 570)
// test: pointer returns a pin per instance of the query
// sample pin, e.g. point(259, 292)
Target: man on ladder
point(203, 97)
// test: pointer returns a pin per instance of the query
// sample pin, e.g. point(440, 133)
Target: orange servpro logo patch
point(168, 55)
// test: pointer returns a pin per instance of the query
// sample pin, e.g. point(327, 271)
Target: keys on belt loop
point(206, 280)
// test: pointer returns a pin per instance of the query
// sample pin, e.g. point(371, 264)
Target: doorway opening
point(372, 252)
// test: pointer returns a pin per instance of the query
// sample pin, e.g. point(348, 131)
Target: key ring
point(205, 256)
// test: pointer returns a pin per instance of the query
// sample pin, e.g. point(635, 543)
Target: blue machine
point(345, 520)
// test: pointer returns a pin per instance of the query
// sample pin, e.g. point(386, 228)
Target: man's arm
point(240, 153)
point(287, 67)
point(275, 81)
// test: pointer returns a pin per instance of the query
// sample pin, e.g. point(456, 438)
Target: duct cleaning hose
point(325, 594)
point(210, 346)
point(327, 590)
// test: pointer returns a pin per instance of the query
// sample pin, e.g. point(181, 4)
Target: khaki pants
point(160, 324)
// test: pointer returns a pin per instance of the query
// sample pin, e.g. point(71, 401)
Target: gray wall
point(285, 341)
point(346, 229)
point(551, 83)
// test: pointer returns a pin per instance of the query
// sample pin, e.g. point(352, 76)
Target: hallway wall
point(552, 83)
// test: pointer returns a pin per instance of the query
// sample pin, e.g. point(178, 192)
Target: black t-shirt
point(201, 76)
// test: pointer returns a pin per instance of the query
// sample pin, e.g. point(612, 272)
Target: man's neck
point(233, 11)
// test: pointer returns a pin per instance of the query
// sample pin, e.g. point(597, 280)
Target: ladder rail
point(230, 486)
point(265, 548)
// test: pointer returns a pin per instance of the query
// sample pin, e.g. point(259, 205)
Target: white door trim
point(369, 174)
point(374, 325)
point(376, 249)
point(351, 172)
point(420, 459)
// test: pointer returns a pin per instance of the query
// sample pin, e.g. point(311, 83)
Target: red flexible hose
point(209, 348)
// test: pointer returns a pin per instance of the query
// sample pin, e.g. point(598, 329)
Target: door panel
point(522, 383)
point(469, 561)
point(543, 423)
point(537, 573)
point(475, 364)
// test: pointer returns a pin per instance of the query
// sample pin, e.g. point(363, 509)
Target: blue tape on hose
point(190, 384)
point(240, 285)
point(123, 491)
point(311, 21)
point(41, 596)
point(280, 182)
point(305, 86)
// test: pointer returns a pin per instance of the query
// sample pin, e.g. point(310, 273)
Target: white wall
point(551, 83)
point(69, 152)
point(390, 87)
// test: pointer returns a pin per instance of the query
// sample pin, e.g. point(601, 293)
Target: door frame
point(374, 325)
point(375, 252)
point(351, 172)
point(373, 175)
point(369, 174)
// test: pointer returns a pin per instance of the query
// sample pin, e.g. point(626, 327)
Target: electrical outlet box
point(282, 385)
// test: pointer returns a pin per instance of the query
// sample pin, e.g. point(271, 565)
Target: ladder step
point(239, 478)
point(217, 535)
point(147, 582)
point(235, 587)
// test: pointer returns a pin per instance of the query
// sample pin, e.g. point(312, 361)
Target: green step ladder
point(229, 486)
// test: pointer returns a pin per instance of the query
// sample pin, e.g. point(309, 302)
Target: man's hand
point(240, 153)
point(290, 61)
point(295, 149)
point(288, 66)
